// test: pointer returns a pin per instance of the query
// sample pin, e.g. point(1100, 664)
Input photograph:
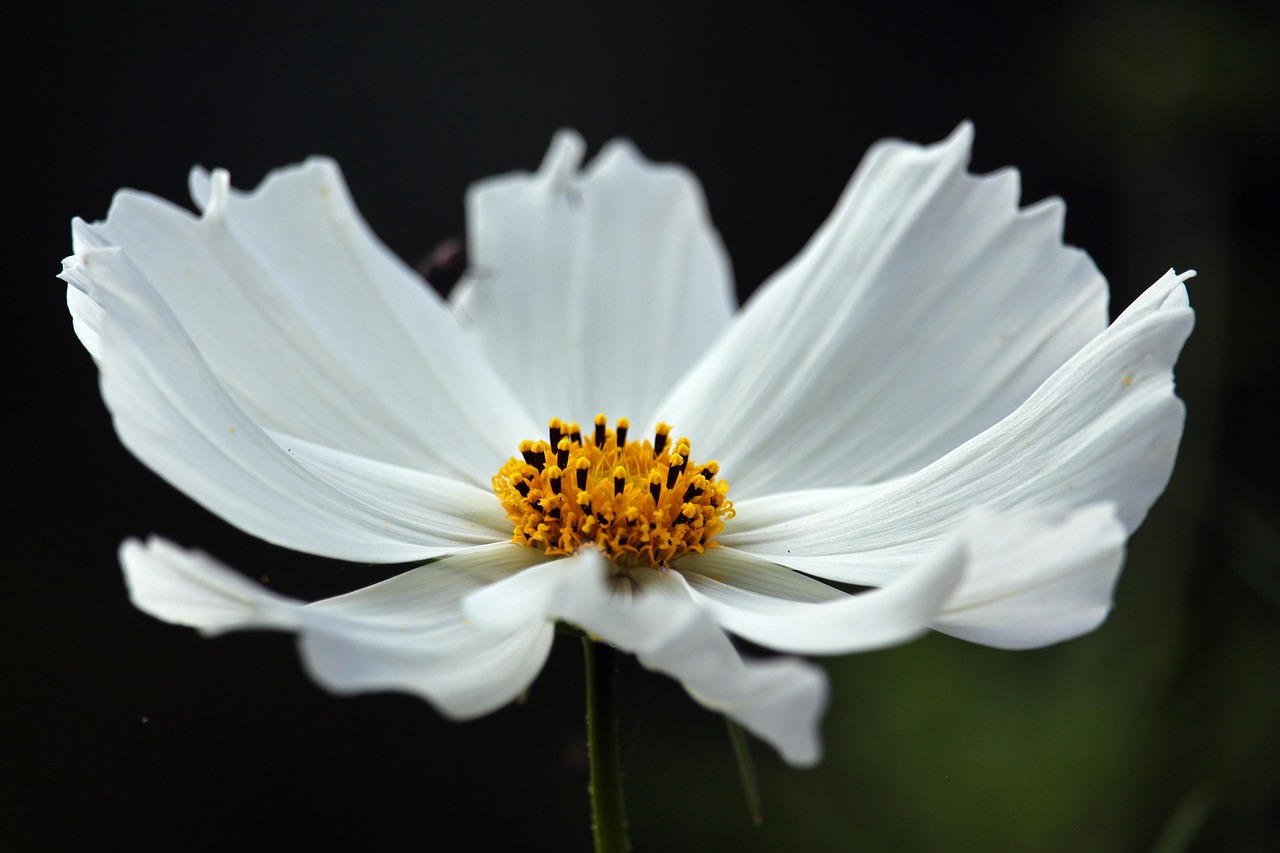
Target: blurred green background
point(1156, 122)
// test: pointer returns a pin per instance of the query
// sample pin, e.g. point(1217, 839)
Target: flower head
point(928, 402)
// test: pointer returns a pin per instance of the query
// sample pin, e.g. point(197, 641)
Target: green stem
point(608, 814)
point(747, 770)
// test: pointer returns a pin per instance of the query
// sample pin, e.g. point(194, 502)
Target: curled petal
point(591, 291)
point(407, 633)
point(654, 616)
point(1037, 577)
point(781, 609)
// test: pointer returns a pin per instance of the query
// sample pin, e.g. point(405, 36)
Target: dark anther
point(618, 483)
point(659, 442)
point(555, 434)
point(622, 436)
point(576, 436)
point(706, 472)
point(533, 457)
point(523, 488)
point(562, 457)
point(599, 435)
point(673, 474)
point(582, 478)
point(655, 489)
point(555, 513)
point(690, 493)
point(556, 484)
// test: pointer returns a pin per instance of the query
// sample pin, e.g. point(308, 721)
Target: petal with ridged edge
point(592, 291)
point(172, 412)
point(1104, 428)
point(312, 325)
point(924, 310)
point(407, 633)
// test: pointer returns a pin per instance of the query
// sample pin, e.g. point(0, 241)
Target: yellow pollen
point(637, 502)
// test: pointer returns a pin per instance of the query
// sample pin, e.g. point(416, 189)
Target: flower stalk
point(747, 770)
point(608, 812)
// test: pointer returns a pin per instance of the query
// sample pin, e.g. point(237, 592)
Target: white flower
point(928, 400)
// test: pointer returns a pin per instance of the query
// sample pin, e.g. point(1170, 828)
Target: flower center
point(639, 503)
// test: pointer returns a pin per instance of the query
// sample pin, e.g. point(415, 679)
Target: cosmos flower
point(927, 407)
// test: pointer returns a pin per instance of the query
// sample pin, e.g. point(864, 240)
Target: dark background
point(1156, 122)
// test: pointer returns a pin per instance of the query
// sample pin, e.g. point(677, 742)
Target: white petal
point(729, 585)
point(407, 633)
point(173, 414)
point(441, 509)
point(741, 572)
point(653, 615)
point(766, 510)
point(1104, 428)
point(314, 327)
point(86, 316)
point(592, 291)
point(924, 310)
point(188, 588)
point(1036, 578)
point(1025, 579)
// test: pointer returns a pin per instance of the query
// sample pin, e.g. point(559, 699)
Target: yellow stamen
point(635, 503)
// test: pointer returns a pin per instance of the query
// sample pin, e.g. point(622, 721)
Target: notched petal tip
point(1178, 297)
point(84, 236)
point(956, 148)
point(210, 191)
point(963, 134)
point(621, 163)
point(621, 148)
point(563, 158)
point(218, 198)
point(199, 186)
point(620, 154)
point(1168, 293)
point(321, 169)
point(1049, 213)
point(88, 257)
